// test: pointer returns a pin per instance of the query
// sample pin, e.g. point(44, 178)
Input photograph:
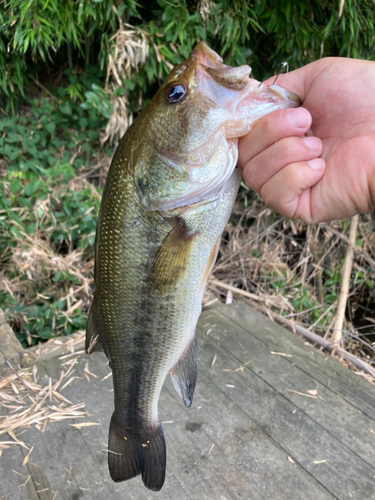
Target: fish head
point(192, 125)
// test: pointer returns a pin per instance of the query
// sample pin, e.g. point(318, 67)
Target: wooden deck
point(254, 431)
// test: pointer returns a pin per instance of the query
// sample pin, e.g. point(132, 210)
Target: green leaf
point(32, 187)
point(15, 185)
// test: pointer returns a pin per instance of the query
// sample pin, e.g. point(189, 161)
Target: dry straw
point(30, 401)
point(129, 51)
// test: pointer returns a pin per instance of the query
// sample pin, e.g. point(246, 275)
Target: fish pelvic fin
point(93, 339)
point(184, 374)
point(130, 454)
point(171, 260)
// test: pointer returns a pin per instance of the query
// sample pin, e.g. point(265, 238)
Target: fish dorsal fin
point(184, 374)
point(171, 259)
point(93, 339)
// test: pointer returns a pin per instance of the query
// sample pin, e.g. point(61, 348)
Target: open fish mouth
point(237, 79)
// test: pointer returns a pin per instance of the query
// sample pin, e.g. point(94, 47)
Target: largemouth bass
point(169, 193)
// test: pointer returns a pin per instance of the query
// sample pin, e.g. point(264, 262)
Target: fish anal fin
point(130, 454)
point(210, 264)
point(171, 259)
point(184, 374)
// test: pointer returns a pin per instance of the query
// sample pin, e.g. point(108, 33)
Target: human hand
point(281, 154)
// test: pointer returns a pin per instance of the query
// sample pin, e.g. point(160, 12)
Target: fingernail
point(313, 143)
point(299, 118)
point(317, 164)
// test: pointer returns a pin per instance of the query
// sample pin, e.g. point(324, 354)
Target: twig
point(362, 365)
point(44, 88)
point(358, 250)
point(344, 291)
point(249, 295)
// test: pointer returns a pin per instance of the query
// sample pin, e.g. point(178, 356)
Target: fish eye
point(175, 92)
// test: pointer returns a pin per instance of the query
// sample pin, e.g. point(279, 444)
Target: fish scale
point(168, 196)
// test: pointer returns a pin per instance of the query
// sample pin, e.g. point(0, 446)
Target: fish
point(168, 195)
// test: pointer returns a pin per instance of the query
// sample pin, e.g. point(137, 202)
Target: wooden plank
point(342, 473)
point(86, 452)
point(193, 471)
point(190, 467)
point(237, 440)
point(188, 446)
point(344, 421)
point(14, 482)
point(321, 367)
point(202, 468)
point(10, 348)
point(61, 462)
point(260, 459)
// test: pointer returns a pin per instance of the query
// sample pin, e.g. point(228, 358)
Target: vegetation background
point(74, 74)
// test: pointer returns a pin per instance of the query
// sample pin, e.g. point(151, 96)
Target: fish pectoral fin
point(171, 259)
point(184, 374)
point(130, 454)
point(93, 339)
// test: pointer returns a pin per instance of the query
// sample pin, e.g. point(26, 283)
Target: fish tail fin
point(131, 454)
point(154, 457)
point(123, 453)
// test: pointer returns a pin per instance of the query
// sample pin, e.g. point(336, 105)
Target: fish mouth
point(235, 78)
point(234, 90)
point(204, 55)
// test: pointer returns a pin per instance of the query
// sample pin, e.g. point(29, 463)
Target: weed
point(48, 211)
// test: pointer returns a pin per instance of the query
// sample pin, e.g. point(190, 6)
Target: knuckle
point(302, 174)
point(266, 195)
point(290, 147)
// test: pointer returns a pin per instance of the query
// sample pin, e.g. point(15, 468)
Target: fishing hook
point(282, 66)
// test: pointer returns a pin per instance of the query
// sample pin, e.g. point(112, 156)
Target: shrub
point(38, 37)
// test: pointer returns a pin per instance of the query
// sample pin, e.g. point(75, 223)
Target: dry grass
point(204, 8)
point(129, 50)
point(33, 260)
point(32, 400)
